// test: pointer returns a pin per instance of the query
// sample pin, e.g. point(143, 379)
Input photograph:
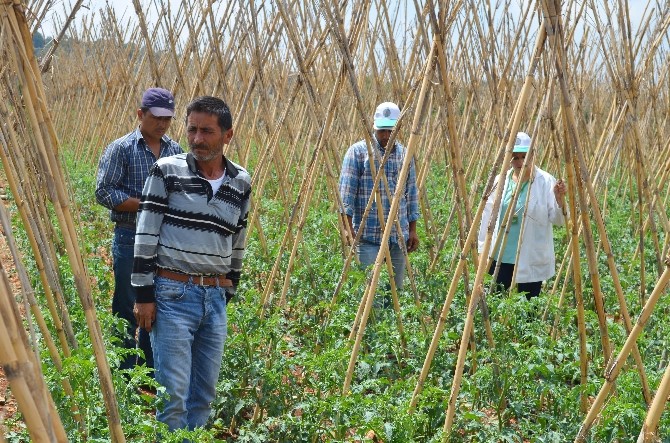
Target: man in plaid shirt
point(122, 171)
point(356, 182)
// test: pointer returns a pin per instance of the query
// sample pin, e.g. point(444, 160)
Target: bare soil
point(8, 405)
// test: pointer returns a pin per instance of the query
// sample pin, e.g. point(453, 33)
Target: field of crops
point(310, 357)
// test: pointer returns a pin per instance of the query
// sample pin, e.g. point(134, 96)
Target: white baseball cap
point(522, 143)
point(386, 115)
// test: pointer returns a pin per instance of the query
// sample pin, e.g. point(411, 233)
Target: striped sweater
point(182, 227)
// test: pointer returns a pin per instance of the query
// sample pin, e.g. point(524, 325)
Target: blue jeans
point(188, 339)
point(124, 297)
point(367, 254)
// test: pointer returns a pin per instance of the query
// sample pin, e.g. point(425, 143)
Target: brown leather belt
point(201, 280)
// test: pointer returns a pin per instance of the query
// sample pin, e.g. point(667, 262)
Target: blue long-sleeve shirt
point(123, 169)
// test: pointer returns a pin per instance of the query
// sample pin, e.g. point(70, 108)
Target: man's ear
point(228, 135)
point(140, 114)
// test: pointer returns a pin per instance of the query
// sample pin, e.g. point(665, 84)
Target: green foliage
point(282, 373)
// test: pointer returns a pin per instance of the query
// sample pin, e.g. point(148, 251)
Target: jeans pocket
point(169, 290)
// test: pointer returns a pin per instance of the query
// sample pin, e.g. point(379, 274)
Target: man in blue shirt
point(122, 171)
point(356, 183)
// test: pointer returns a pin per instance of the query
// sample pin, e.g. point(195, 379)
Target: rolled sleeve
point(555, 213)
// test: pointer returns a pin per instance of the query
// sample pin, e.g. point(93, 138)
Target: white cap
point(386, 115)
point(522, 143)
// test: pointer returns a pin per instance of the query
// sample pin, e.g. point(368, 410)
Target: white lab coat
point(537, 261)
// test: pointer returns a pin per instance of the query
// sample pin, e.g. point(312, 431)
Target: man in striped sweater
point(189, 248)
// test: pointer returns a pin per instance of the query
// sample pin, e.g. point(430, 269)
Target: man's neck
point(212, 169)
point(383, 148)
point(153, 143)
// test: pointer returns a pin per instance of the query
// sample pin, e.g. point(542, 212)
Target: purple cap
point(159, 101)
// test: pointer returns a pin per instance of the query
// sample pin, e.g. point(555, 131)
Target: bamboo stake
point(148, 43)
point(556, 34)
point(35, 107)
point(383, 249)
point(29, 295)
point(582, 165)
point(649, 432)
point(337, 27)
point(616, 364)
point(46, 60)
point(35, 243)
point(483, 258)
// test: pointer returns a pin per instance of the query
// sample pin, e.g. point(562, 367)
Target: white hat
point(522, 143)
point(386, 115)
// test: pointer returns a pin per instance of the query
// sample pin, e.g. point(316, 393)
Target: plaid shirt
point(123, 169)
point(356, 182)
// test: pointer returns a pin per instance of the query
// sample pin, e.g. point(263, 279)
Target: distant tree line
point(41, 43)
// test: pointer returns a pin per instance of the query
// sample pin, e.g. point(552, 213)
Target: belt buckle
point(202, 280)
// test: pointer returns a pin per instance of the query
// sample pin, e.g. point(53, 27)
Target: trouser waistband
point(201, 280)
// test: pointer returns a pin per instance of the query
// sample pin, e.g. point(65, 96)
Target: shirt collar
point(139, 136)
point(533, 173)
point(231, 170)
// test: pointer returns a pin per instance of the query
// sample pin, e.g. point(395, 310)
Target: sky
point(124, 8)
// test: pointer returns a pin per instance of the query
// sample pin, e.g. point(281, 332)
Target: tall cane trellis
point(302, 79)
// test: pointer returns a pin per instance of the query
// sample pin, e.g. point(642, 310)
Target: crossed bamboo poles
point(281, 124)
point(43, 419)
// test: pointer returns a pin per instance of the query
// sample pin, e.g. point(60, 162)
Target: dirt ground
point(8, 405)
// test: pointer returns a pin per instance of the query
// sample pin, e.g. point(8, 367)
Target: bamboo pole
point(29, 295)
point(483, 258)
point(581, 165)
point(45, 136)
point(44, 265)
point(383, 249)
point(616, 364)
point(347, 68)
point(46, 60)
point(649, 432)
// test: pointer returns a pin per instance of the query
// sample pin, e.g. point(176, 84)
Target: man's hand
point(350, 234)
point(145, 315)
point(412, 242)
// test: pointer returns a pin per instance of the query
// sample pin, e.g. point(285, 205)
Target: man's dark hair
point(214, 106)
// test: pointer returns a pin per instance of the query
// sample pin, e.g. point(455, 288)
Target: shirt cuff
point(347, 210)
point(145, 294)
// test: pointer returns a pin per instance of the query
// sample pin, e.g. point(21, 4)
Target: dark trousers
point(504, 278)
point(124, 297)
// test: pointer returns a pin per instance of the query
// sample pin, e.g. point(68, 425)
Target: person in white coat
point(532, 218)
